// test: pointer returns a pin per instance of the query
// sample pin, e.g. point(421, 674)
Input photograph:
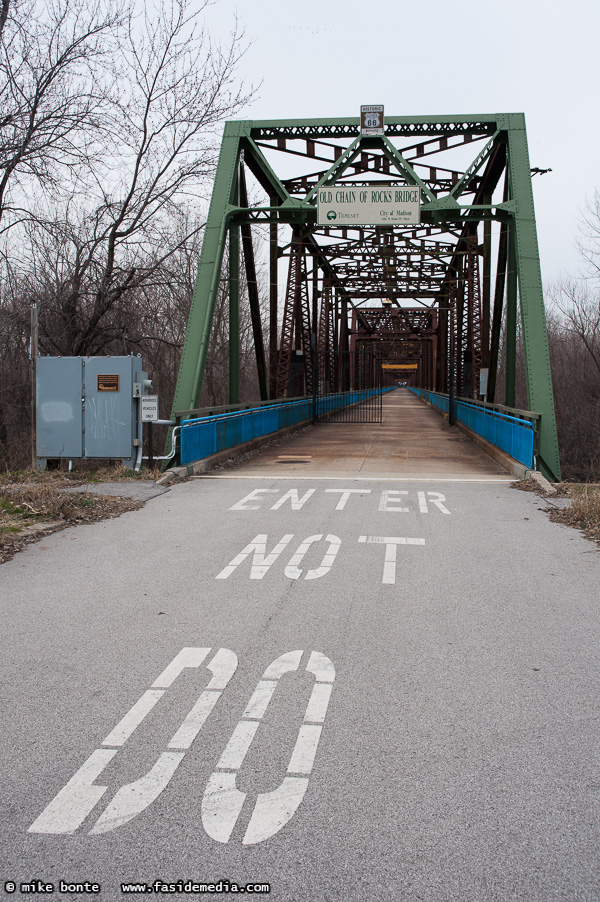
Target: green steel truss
point(473, 259)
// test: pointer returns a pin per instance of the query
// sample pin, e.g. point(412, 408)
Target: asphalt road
point(389, 691)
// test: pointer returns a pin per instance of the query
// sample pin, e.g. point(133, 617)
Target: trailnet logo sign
point(346, 205)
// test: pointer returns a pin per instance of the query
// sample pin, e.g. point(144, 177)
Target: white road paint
point(260, 699)
point(70, 807)
point(274, 809)
point(133, 798)
point(194, 721)
point(283, 664)
point(187, 657)
point(322, 668)
point(318, 702)
point(345, 494)
point(136, 714)
point(261, 561)
point(390, 501)
point(294, 572)
point(437, 498)
point(222, 666)
point(237, 748)
point(296, 502)
point(243, 505)
point(222, 802)
point(391, 544)
point(295, 478)
point(75, 801)
point(303, 756)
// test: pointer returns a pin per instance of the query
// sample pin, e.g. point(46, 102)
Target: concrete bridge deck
point(412, 442)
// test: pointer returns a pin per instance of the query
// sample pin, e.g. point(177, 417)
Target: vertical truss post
point(273, 301)
point(195, 347)
point(473, 317)
point(234, 314)
point(314, 357)
point(286, 344)
point(511, 322)
point(253, 298)
point(304, 322)
point(497, 314)
point(443, 339)
point(459, 347)
point(344, 347)
point(486, 291)
point(434, 354)
point(533, 318)
point(326, 340)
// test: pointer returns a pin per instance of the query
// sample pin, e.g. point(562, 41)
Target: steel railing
point(203, 436)
point(513, 431)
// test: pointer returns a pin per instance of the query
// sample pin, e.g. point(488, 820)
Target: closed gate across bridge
point(360, 376)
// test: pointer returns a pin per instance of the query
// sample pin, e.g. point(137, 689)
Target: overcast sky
point(324, 58)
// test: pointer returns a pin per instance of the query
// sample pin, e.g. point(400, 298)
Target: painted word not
point(262, 560)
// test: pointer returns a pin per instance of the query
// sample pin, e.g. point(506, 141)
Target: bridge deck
point(412, 442)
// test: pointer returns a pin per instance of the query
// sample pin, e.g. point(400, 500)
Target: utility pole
point(33, 367)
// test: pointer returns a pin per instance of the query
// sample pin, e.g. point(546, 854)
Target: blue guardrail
point(203, 436)
point(514, 435)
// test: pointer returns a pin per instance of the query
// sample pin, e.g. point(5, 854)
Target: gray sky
point(324, 58)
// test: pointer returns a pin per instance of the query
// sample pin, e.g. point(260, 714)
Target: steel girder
point(435, 264)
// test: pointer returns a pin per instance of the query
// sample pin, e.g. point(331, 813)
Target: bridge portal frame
point(518, 283)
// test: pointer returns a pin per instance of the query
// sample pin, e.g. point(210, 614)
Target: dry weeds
point(584, 510)
point(33, 504)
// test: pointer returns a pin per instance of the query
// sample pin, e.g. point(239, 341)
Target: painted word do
point(222, 801)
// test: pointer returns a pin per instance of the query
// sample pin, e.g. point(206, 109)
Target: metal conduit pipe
point(174, 435)
point(141, 456)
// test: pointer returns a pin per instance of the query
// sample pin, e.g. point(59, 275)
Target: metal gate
point(359, 399)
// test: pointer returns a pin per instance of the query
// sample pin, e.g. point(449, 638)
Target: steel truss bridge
point(442, 301)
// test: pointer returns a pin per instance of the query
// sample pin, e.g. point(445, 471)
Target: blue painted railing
point(513, 434)
point(203, 436)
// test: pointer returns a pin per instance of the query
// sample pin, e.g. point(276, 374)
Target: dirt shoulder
point(33, 505)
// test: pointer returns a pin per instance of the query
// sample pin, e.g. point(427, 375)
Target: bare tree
point(176, 89)
point(54, 94)
point(120, 134)
point(579, 305)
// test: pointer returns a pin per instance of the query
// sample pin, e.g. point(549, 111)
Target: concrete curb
point(517, 469)
point(543, 483)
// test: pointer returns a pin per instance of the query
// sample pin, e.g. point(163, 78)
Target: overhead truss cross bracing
point(440, 297)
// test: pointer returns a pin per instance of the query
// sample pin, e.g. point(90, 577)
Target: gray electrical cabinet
point(88, 407)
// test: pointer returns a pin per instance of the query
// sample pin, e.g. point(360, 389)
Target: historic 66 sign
point(371, 120)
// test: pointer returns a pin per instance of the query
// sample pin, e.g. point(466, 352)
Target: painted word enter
point(390, 500)
point(222, 801)
point(262, 560)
